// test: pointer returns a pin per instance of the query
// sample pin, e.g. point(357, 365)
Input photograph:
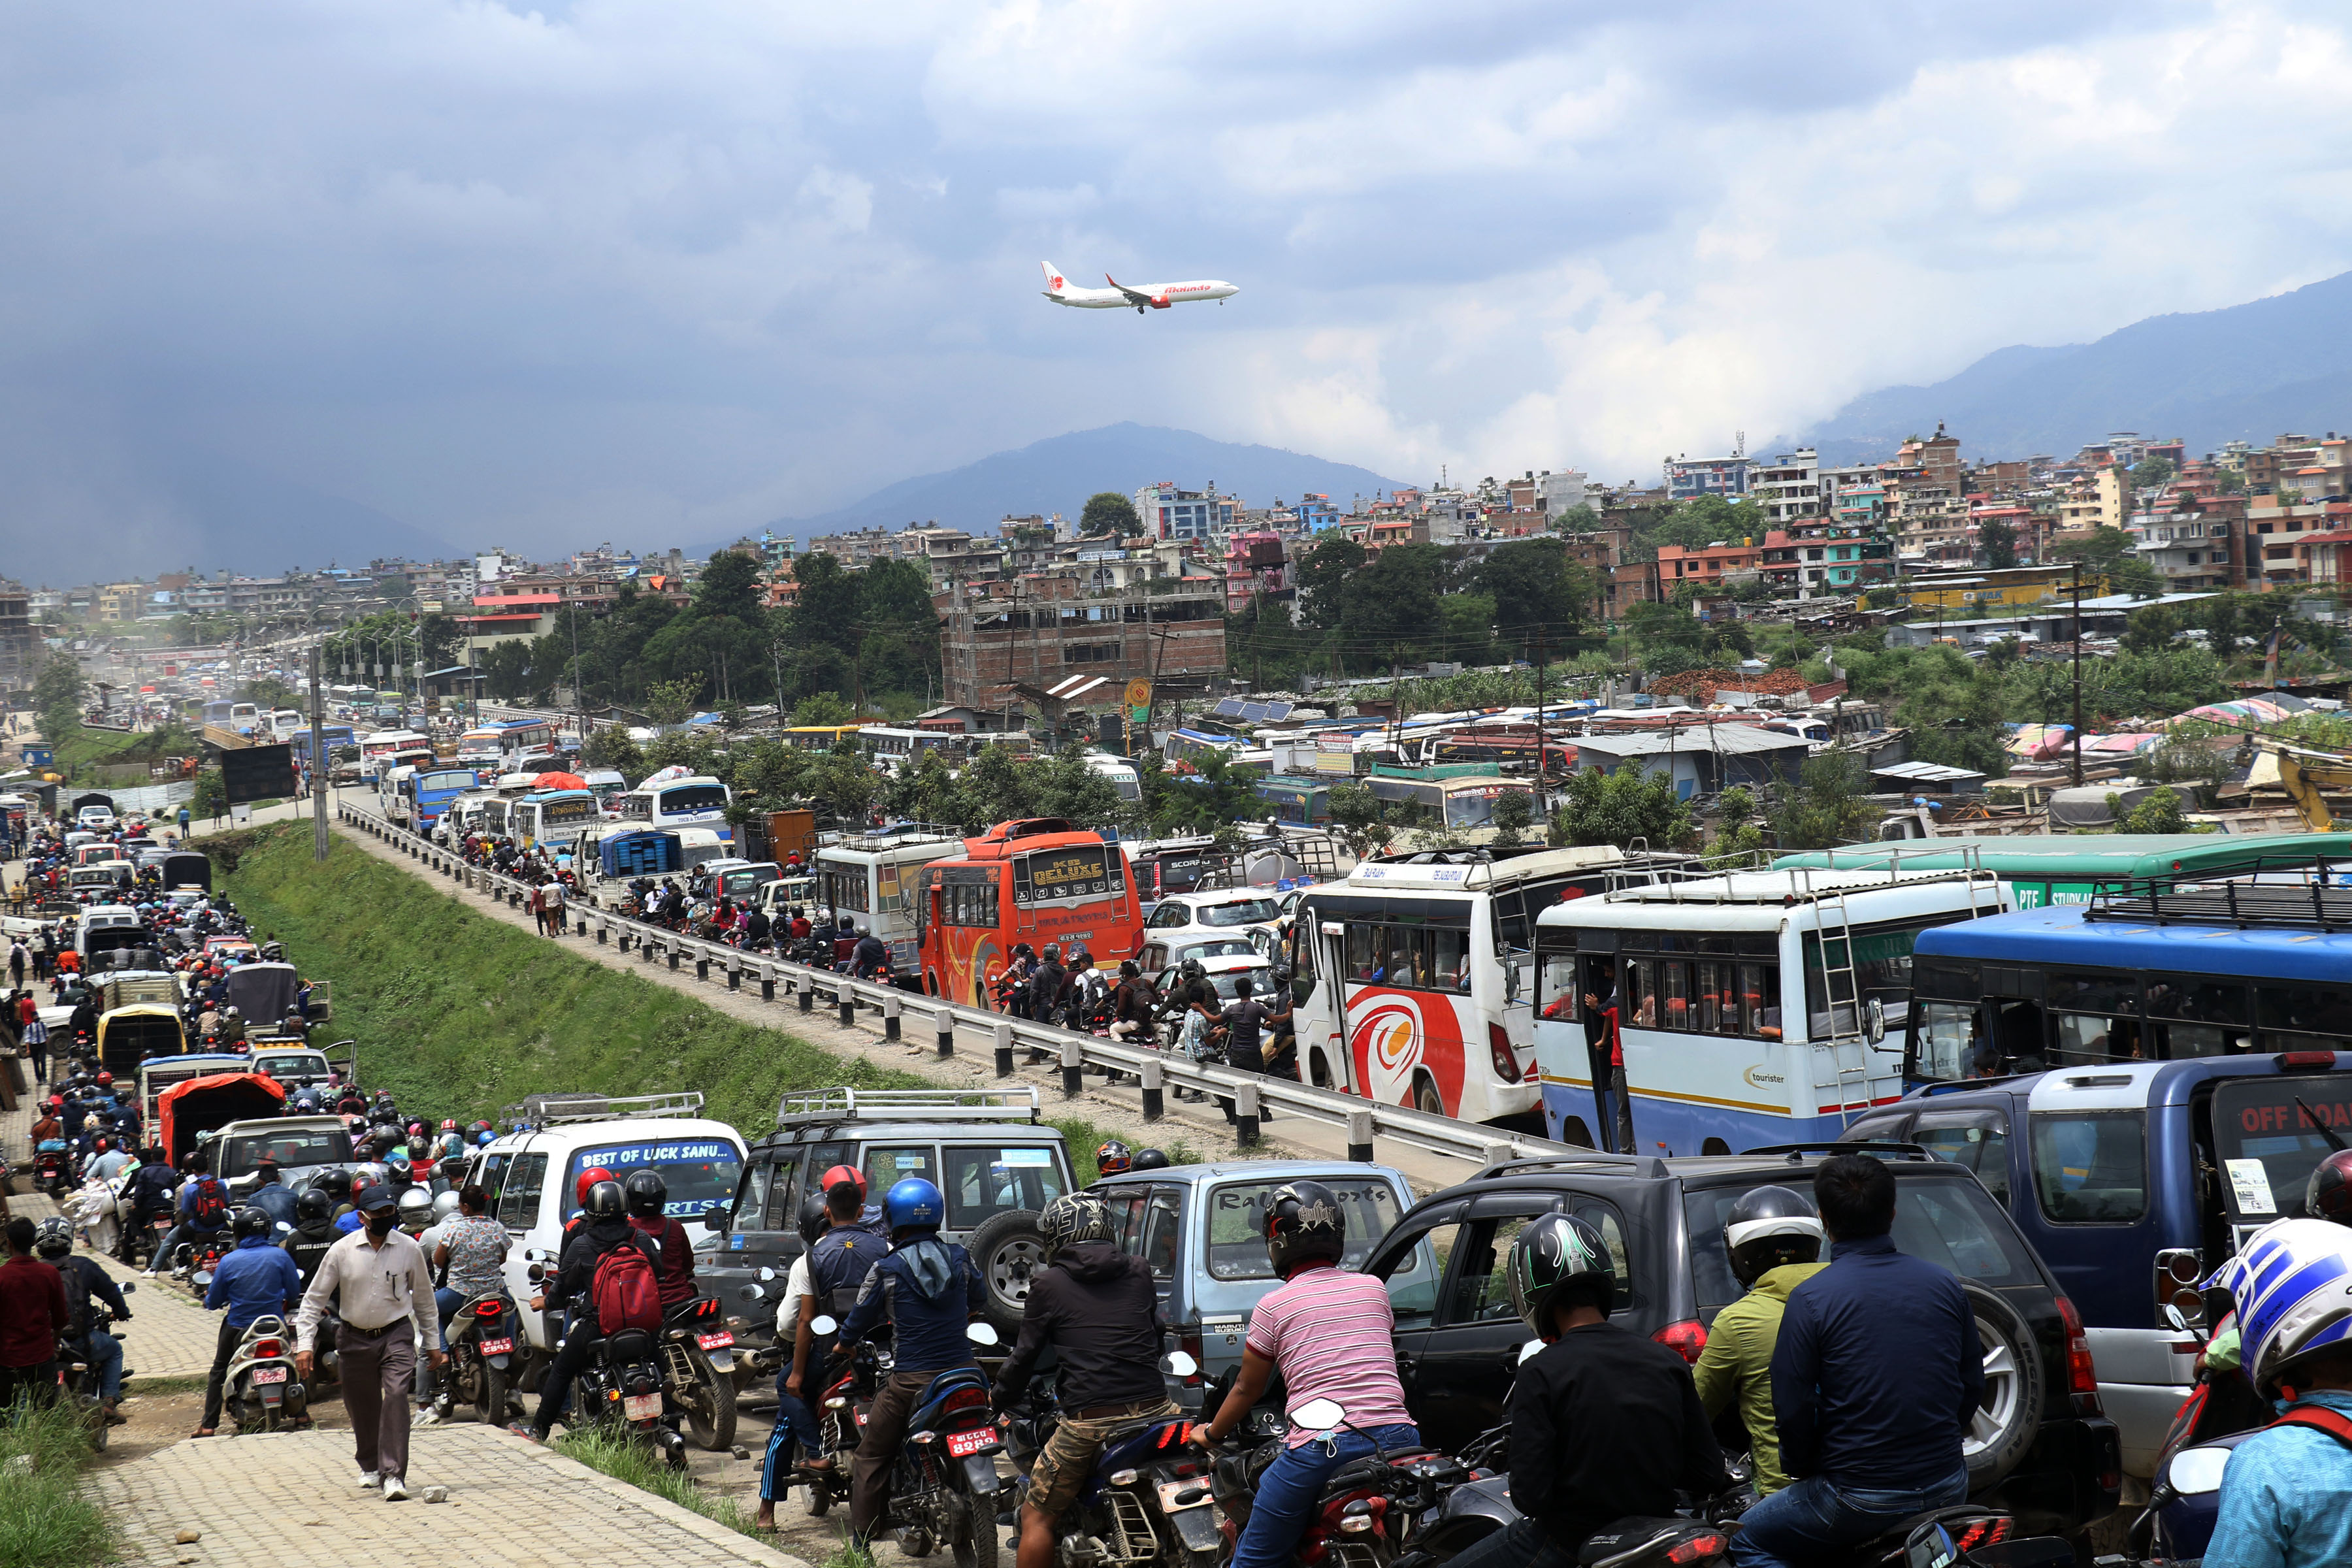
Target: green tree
point(1576, 520)
point(672, 702)
point(1323, 572)
point(1513, 813)
point(2233, 481)
point(2152, 629)
point(823, 708)
point(1738, 836)
point(1617, 808)
point(211, 797)
point(59, 690)
point(1392, 603)
point(1827, 808)
point(1356, 819)
point(2099, 550)
point(2159, 813)
point(1998, 541)
point(612, 747)
point(2132, 575)
point(824, 606)
point(1108, 512)
point(2151, 472)
point(1538, 590)
point(732, 588)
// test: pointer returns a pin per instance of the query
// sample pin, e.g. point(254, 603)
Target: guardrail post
point(808, 993)
point(1359, 1137)
point(645, 945)
point(890, 1016)
point(1246, 1116)
point(849, 1000)
point(702, 967)
point(1004, 1048)
point(734, 975)
point(1072, 1058)
point(1155, 1100)
point(1497, 1152)
point(944, 1021)
point(603, 932)
point(767, 982)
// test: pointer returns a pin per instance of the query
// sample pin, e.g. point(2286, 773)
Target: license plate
point(498, 1347)
point(715, 1341)
point(268, 1374)
point(861, 1418)
point(642, 1407)
point(979, 1440)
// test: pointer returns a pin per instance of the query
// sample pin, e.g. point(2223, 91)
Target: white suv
point(1249, 913)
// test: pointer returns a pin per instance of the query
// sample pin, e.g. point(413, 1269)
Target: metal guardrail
point(1153, 1070)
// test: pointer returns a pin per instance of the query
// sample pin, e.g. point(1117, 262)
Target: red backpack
point(209, 1205)
point(627, 1294)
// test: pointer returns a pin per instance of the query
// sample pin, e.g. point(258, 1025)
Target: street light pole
point(2077, 736)
point(320, 765)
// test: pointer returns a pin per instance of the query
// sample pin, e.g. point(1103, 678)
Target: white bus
point(1753, 1009)
point(1418, 974)
point(389, 748)
point(895, 749)
point(870, 878)
point(695, 801)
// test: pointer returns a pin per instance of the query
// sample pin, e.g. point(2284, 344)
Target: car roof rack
point(1646, 1167)
point(1869, 1146)
point(821, 1106)
point(556, 1109)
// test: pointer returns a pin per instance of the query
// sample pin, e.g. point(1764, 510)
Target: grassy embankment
point(45, 1521)
point(460, 1014)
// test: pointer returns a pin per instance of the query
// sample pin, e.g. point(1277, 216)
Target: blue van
point(2134, 1180)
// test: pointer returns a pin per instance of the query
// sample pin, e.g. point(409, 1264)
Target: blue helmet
point(486, 1138)
point(913, 1203)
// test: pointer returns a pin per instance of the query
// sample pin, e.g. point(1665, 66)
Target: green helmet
point(1553, 1252)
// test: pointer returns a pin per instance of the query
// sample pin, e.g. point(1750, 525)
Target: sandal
point(205, 1432)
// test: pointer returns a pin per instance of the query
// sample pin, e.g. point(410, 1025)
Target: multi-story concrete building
point(18, 641)
point(1005, 643)
point(1789, 488)
point(1168, 512)
point(1709, 567)
point(1688, 478)
point(2198, 542)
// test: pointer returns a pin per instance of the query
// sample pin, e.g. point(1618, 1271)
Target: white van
point(532, 1178)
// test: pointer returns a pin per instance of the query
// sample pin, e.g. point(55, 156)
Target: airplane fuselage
point(1138, 297)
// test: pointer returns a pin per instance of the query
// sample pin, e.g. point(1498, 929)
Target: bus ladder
point(1851, 1085)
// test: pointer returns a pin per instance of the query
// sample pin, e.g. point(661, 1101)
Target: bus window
point(970, 903)
point(845, 889)
point(1449, 960)
point(2097, 1017)
point(2306, 1017)
point(2199, 1017)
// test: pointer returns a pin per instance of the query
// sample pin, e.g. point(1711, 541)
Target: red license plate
point(641, 1407)
point(979, 1440)
point(717, 1342)
point(861, 1418)
point(268, 1374)
point(498, 1347)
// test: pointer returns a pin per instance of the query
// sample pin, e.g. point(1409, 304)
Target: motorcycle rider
point(270, 1196)
point(1045, 984)
point(646, 1197)
point(201, 1195)
point(1330, 1333)
point(1012, 982)
point(927, 1289)
point(1111, 1158)
point(314, 1232)
point(870, 957)
point(150, 1195)
point(2328, 1196)
point(795, 1422)
point(53, 1245)
point(604, 1227)
point(1133, 1004)
point(1604, 1422)
point(253, 1280)
point(1095, 1306)
point(108, 1162)
point(1773, 1238)
point(2286, 1492)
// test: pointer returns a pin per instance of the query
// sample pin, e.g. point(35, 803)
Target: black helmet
point(336, 1183)
point(645, 1194)
point(2329, 1196)
point(53, 1238)
point(1070, 1219)
point(1558, 1252)
point(814, 1220)
point(250, 1221)
point(1111, 1158)
point(1769, 1226)
point(1193, 969)
point(606, 1201)
point(314, 1206)
point(1303, 1224)
point(1150, 1160)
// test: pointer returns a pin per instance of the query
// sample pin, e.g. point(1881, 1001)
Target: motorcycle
point(2184, 1501)
point(51, 1163)
point(698, 1355)
point(1148, 1501)
point(79, 1379)
point(621, 1390)
point(1365, 1514)
point(482, 1343)
point(263, 1392)
point(194, 1263)
point(840, 1409)
point(944, 1489)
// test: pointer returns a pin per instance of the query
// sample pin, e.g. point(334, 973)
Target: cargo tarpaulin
point(202, 1104)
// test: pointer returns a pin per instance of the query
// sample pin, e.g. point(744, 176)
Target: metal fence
point(1153, 1071)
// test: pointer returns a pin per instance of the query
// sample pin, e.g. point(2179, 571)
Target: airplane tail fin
point(1054, 282)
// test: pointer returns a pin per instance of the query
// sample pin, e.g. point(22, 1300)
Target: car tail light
point(268, 1347)
point(1190, 1345)
point(1507, 1061)
point(1698, 1549)
point(1686, 1339)
point(2286, 1059)
point(2081, 1376)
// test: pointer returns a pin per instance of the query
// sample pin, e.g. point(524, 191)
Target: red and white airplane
point(1140, 296)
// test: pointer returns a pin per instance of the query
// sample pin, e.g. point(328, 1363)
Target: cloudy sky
point(651, 269)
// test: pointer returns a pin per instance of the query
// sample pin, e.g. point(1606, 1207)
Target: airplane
point(1142, 296)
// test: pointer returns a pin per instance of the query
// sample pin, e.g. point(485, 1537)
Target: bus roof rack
point(817, 1105)
point(1868, 1146)
point(550, 1110)
point(2311, 901)
point(1646, 1167)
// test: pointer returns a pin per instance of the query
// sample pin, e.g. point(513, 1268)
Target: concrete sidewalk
point(290, 1500)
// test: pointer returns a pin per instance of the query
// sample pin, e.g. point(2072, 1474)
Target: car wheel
point(2010, 1411)
point(1009, 1252)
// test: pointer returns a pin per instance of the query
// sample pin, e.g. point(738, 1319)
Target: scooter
point(482, 1340)
point(1148, 1501)
point(263, 1392)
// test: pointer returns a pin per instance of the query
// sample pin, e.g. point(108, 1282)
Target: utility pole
point(1543, 808)
point(2077, 736)
point(321, 766)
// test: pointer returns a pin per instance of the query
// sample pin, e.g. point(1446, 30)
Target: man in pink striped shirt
point(1331, 1335)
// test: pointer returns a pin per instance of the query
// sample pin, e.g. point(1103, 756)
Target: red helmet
point(57, 1102)
point(449, 1125)
point(589, 1178)
point(2329, 1196)
point(106, 1080)
point(844, 1173)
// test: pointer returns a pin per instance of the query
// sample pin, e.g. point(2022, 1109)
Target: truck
point(779, 834)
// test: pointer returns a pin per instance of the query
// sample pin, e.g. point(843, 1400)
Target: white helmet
point(2293, 1287)
point(444, 1206)
point(415, 1208)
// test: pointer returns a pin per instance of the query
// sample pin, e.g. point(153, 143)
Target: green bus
point(2067, 869)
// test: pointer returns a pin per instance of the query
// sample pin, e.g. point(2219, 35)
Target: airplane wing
point(1134, 296)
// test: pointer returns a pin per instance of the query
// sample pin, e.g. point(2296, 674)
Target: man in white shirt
point(551, 897)
point(387, 1311)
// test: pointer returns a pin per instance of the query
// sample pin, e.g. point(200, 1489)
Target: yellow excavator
point(2304, 774)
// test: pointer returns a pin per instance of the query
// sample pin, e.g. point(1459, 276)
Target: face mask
point(381, 1223)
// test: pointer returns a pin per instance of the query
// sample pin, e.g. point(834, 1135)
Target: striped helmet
point(2293, 1287)
point(1069, 1220)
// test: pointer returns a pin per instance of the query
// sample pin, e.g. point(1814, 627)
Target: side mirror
point(1178, 1364)
point(2176, 1317)
point(535, 1273)
point(202, 1278)
point(750, 1293)
point(766, 1275)
point(824, 1324)
point(980, 1333)
point(128, 1286)
point(1318, 1416)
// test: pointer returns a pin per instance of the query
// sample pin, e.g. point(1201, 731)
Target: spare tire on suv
point(2010, 1413)
point(1008, 1250)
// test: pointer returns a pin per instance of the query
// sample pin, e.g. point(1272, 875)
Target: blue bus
point(430, 791)
point(334, 737)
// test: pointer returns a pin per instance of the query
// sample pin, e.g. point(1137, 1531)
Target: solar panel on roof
point(1229, 708)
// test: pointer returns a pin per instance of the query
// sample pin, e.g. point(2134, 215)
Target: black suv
point(2041, 1449)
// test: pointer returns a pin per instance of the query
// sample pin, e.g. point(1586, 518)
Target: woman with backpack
point(611, 1269)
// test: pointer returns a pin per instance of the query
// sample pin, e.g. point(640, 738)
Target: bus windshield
point(1474, 806)
point(693, 797)
point(698, 1172)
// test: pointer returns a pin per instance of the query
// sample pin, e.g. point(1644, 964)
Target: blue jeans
point(1287, 1494)
point(106, 1360)
point(795, 1422)
point(1816, 1516)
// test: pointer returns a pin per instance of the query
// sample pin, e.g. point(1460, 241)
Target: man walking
point(33, 1314)
point(387, 1309)
point(550, 895)
point(1876, 1375)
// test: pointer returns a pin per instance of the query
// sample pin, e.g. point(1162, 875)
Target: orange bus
point(1037, 880)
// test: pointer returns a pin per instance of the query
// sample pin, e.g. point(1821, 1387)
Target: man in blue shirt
point(928, 1291)
point(254, 1280)
point(1875, 1374)
point(193, 1225)
point(270, 1196)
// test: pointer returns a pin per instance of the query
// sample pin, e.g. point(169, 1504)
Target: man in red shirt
point(33, 1314)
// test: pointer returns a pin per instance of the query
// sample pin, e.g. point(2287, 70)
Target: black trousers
point(216, 1380)
point(37, 1383)
point(579, 1348)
